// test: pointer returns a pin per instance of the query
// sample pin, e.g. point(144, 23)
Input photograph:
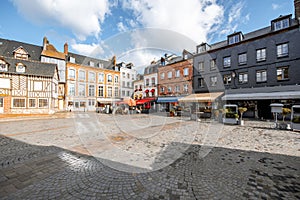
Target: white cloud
point(275, 6)
point(194, 19)
point(82, 18)
point(121, 27)
point(235, 12)
point(91, 50)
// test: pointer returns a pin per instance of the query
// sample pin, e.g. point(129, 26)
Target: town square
point(150, 99)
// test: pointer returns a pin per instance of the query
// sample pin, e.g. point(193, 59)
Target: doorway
point(1, 105)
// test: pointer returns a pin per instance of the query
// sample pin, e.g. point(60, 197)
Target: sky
point(137, 31)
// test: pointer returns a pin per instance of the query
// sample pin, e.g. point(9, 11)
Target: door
point(1, 105)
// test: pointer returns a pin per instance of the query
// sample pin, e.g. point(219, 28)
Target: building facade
point(27, 87)
point(253, 70)
point(89, 84)
point(175, 78)
point(128, 76)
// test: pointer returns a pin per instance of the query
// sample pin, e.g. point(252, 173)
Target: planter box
point(295, 126)
point(230, 121)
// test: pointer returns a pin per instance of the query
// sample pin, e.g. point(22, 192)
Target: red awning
point(142, 101)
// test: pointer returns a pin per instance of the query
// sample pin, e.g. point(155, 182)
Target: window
point(91, 102)
point(91, 76)
point(162, 89)
point(177, 88)
point(37, 85)
point(177, 73)
point(261, 76)
point(186, 71)
point(213, 81)
point(185, 87)
point(72, 89)
point(100, 65)
point(282, 50)
point(91, 90)
point(153, 81)
point(100, 91)
point(213, 64)
point(123, 75)
point(109, 91)
point(92, 64)
point(81, 75)
point(19, 103)
point(116, 79)
point(117, 92)
point(128, 76)
point(169, 89)
point(227, 79)
point(100, 78)
point(132, 76)
point(284, 23)
point(162, 76)
point(3, 66)
point(200, 82)
point(233, 39)
point(226, 61)
point(81, 90)
point(43, 103)
point(128, 84)
point(109, 78)
point(72, 73)
point(20, 68)
point(147, 81)
point(169, 74)
point(31, 103)
point(200, 66)
point(5, 83)
point(260, 55)
point(243, 78)
point(242, 59)
point(282, 73)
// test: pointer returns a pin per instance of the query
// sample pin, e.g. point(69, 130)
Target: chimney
point(297, 9)
point(66, 47)
point(45, 42)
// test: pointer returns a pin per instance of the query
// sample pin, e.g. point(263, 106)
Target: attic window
point(20, 68)
point(235, 38)
point(72, 59)
point(203, 47)
point(281, 24)
point(21, 53)
point(100, 65)
point(3, 66)
point(91, 63)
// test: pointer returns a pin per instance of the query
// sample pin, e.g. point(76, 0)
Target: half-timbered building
point(27, 87)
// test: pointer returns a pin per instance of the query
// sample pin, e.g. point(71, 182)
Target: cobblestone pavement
point(97, 156)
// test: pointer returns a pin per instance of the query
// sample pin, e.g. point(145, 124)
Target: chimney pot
point(66, 47)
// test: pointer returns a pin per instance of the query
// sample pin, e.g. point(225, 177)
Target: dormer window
point(21, 53)
point(20, 68)
point(203, 47)
point(72, 59)
point(235, 38)
point(281, 23)
point(91, 63)
point(3, 66)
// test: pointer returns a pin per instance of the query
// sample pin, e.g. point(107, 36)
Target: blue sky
point(135, 31)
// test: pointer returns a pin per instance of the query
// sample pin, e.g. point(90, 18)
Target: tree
point(242, 110)
point(285, 112)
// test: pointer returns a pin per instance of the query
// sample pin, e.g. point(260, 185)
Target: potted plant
point(242, 110)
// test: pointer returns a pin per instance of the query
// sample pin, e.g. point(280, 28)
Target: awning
point(107, 100)
point(261, 96)
point(142, 101)
point(201, 97)
point(167, 99)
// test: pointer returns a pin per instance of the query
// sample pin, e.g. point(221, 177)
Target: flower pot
point(242, 122)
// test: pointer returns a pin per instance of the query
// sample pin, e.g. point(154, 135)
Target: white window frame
point(80, 73)
point(109, 91)
point(170, 74)
point(281, 75)
point(80, 91)
point(100, 77)
point(162, 75)
point(71, 88)
point(29, 101)
point(37, 85)
point(100, 91)
point(281, 24)
point(91, 92)
point(227, 61)
point(201, 66)
point(13, 103)
point(43, 106)
point(213, 64)
point(227, 79)
point(200, 82)
point(177, 73)
point(242, 58)
point(261, 54)
point(92, 77)
point(116, 79)
point(243, 77)
point(185, 87)
point(73, 74)
point(283, 50)
point(186, 71)
point(109, 78)
point(261, 76)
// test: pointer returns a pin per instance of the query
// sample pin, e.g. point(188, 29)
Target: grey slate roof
point(36, 68)
point(7, 48)
point(84, 60)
